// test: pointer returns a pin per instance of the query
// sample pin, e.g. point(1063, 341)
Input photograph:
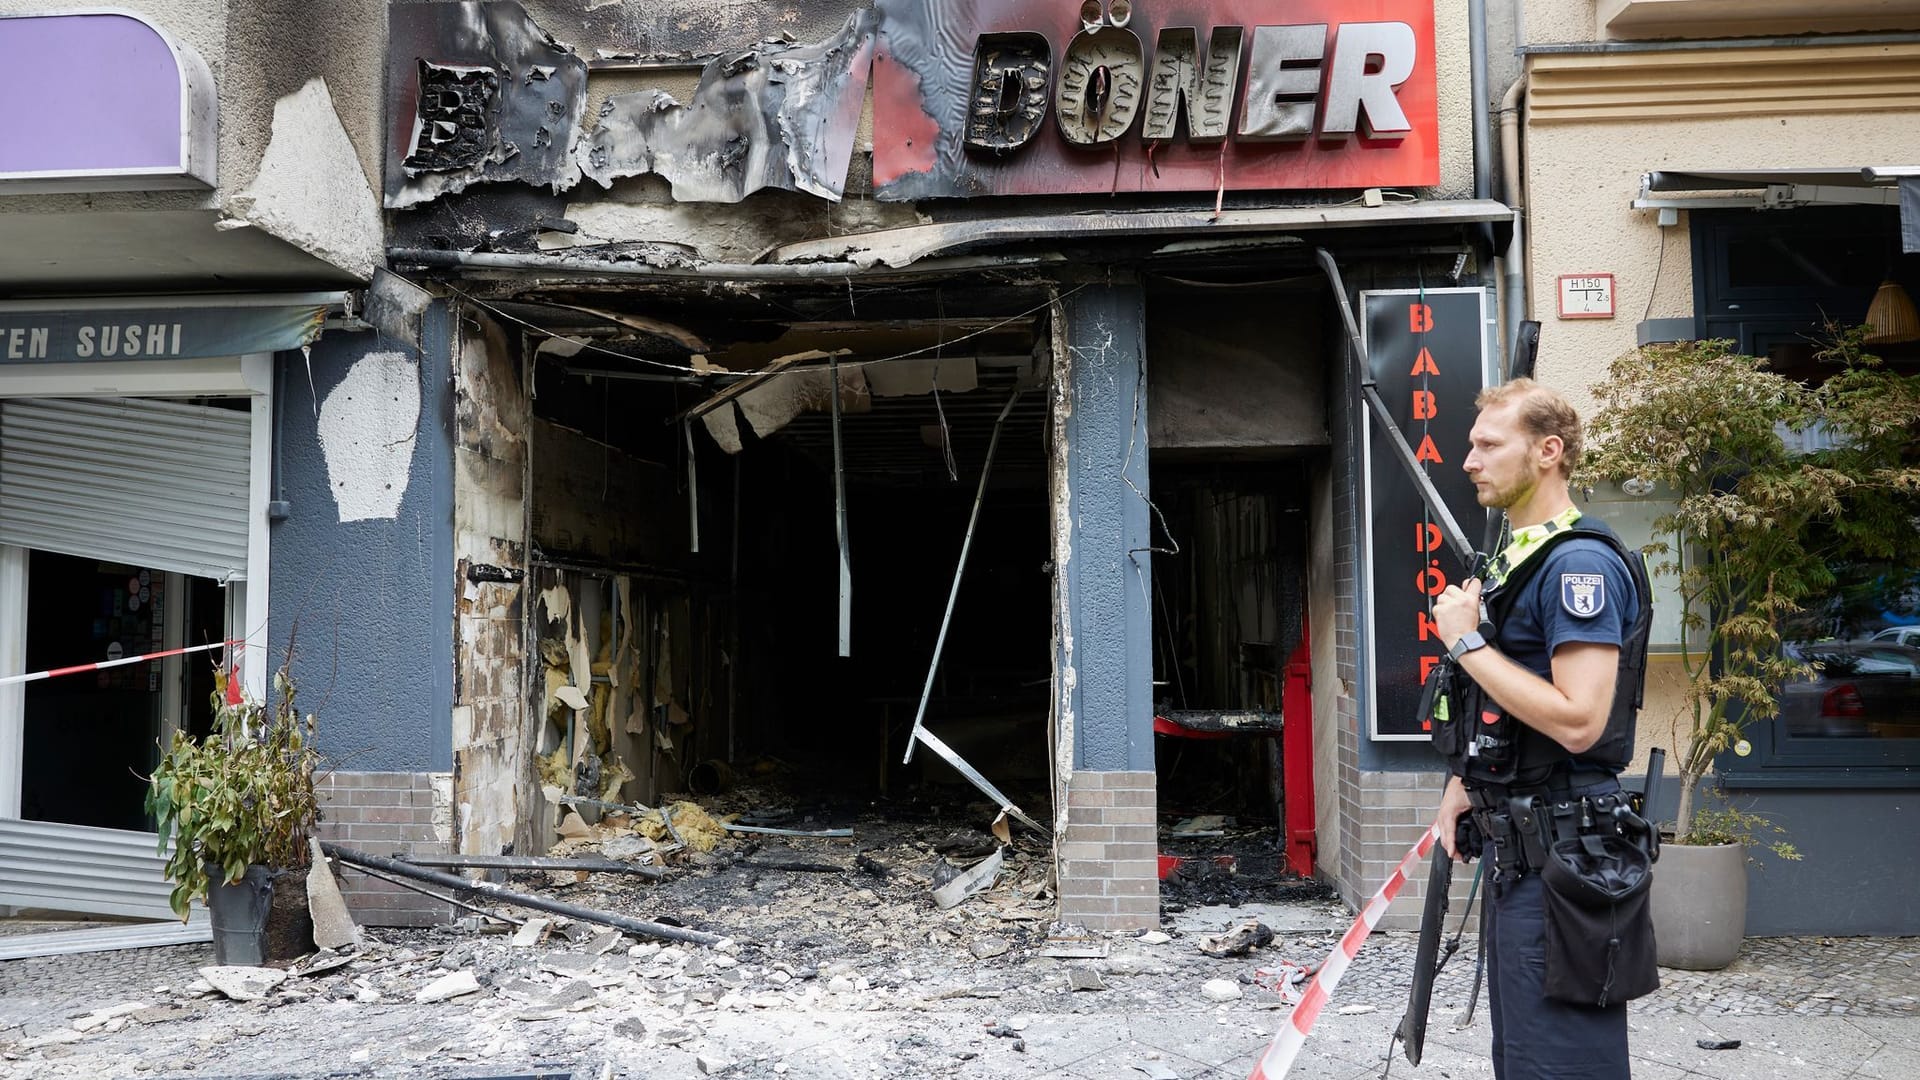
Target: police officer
point(1548, 712)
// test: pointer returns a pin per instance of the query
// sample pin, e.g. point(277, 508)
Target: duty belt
point(1524, 822)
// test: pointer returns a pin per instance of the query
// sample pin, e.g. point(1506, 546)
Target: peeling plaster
point(367, 426)
point(777, 116)
point(310, 190)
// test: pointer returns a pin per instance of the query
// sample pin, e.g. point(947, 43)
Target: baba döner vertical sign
point(1012, 97)
point(1427, 351)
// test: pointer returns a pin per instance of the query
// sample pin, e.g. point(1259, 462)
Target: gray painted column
point(363, 562)
point(1108, 584)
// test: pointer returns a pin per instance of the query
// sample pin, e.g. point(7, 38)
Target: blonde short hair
point(1542, 412)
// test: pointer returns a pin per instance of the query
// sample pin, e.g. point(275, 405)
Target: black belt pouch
point(1599, 928)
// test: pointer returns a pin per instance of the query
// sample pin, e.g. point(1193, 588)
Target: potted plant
point(238, 806)
point(1773, 484)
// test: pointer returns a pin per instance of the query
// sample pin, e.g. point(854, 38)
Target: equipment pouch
point(1599, 926)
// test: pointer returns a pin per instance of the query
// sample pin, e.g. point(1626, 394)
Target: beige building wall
point(1596, 123)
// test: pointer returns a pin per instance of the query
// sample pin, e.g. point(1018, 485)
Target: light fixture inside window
point(1891, 317)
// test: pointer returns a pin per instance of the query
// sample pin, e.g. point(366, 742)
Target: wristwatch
point(1468, 642)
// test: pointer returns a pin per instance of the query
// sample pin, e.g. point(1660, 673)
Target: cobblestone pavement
point(1812, 1008)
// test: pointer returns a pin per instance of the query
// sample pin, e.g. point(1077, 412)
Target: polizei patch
point(1584, 595)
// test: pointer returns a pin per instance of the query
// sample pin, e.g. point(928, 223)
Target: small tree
point(1759, 521)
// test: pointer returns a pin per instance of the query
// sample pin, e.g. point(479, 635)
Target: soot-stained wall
point(362, 564)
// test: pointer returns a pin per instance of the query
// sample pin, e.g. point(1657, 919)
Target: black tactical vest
point(1484, 745)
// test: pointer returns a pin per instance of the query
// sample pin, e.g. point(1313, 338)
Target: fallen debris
point(538, 903)
point(333, 925)
point(447, 987)
point(1717, 1044)
point(975, 879)
point(1084, 978)
point(986, 948)
point(529, 934)
point(1238, 941)
point(1220, 990)
point(243, 983)
point(811, 833)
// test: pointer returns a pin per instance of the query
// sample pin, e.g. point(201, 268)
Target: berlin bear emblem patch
point(1583, 595)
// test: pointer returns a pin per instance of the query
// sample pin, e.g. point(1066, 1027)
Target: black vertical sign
point(1427, 351)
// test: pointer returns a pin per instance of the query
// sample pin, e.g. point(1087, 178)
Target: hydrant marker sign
point(1428, 354)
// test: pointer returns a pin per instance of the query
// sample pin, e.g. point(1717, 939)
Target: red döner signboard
point(1013, 97)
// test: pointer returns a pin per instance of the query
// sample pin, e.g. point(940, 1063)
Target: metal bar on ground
point(973, 776)
point(959, 571)
point(534, 862)
point(765, 831)
point(442, 897)
point(505, 896)
point(840, 517)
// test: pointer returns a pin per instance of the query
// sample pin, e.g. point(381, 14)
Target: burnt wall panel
point(478, 92)
point(686, 28)
point(593, 503)
point(1235, 371)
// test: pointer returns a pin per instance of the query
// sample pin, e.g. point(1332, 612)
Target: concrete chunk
point(451, 986)
point(333, 926)
point(243, 983)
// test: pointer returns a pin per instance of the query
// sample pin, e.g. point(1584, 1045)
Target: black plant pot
point(239, 915)
point(255, 922)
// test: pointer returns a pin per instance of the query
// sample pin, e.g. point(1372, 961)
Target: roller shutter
point(132, 480)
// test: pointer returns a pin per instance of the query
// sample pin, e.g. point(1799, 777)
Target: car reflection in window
point(1859, 689)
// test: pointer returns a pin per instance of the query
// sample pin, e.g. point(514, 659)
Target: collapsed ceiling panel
point(478, 92)
point(777, 115)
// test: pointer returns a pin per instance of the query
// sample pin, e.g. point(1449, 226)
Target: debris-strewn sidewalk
point(571, 999)
point(838, 962)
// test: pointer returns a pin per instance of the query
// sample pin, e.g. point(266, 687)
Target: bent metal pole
point(537, 903)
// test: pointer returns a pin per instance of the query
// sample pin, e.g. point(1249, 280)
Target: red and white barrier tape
point(1293, 1034)
point(35, 676)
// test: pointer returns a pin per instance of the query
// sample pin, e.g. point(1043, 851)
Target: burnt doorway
point(1229, 612)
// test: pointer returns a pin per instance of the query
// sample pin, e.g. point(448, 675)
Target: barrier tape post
point(35, 676)
point(1293, 1034)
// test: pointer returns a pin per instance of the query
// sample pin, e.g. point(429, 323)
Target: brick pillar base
point(1109, 856)
point(395, 814)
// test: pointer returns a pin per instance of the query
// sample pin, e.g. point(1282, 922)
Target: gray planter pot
point(1699, 905)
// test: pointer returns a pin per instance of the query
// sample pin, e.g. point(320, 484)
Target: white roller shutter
point(131, 480)
point(45, 864)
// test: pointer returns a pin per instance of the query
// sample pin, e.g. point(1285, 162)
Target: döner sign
point(1297, 85)
point(1010, 97)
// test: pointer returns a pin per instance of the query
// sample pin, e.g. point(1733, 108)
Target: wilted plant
point(1759, 520)
point(242, 795)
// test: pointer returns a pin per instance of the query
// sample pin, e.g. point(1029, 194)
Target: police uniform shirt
point(1581, 593)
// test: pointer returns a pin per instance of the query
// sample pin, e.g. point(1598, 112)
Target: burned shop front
point(949, 430)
